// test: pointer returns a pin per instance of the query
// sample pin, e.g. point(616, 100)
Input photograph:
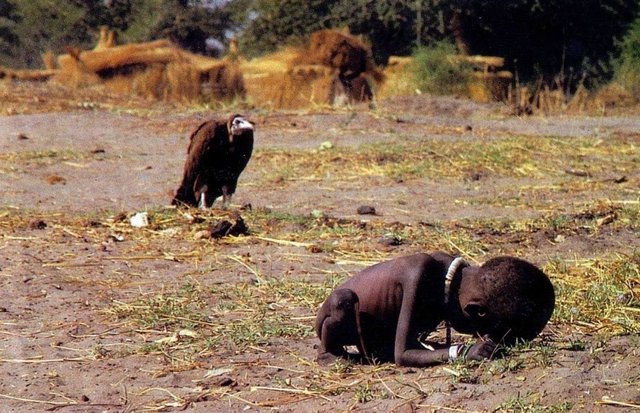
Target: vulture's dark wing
point(206, 148)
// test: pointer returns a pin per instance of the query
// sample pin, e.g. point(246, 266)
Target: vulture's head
point(237, 126)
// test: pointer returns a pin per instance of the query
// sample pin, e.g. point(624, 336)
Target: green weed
point(435, 73)
point(530, 403)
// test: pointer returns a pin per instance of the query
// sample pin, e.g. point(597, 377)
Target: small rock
point(98, 150)
point(55, 179)
point(22, 137)
point(326, 145)
point(187, 333)
point(314, 249)
point(468, 128)
point(217, 372)
point(390, 241)
point(225, 228)
point(605, 220)
point(120, 217)
point(37, 224)
point(227, 382)
point(221, 229)
point(170, 232)
point(366, 210)
point(316, 213)
point(624, 298)
point(84, 398)
point(115, 237)
point(197, 219)
point(239, 228)
point(475, 176)
point(246, 206)
point(577, 172)
point(204, 234)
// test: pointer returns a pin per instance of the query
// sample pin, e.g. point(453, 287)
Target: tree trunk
point(458, 34)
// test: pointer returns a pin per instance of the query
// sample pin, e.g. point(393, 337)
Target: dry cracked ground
point(98, 315)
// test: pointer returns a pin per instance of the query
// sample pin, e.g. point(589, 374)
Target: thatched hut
point(332, 68)
point(157, 69)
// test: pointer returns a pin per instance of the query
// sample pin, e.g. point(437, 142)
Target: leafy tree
point(547, 37)
point(187, 23)
point(393, 26)
point(390, 25)
point(435, 73)
point(627, 65)
point(272, 23)
point(115, 14)
point(191, 26)
point(139, 22)
point(8, 37)
point(41, 25)
point(49, 25)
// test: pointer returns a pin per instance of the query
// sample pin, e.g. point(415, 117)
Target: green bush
point(627, 65)
point(436, 73)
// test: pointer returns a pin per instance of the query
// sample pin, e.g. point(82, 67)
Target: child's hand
point(485, 348)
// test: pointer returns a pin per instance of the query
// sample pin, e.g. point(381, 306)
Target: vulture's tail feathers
point(184, 197)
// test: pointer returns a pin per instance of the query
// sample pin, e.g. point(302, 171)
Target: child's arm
point(406, 353)
point(483, 349)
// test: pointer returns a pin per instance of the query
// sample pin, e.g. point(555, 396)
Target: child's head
point(517, 300)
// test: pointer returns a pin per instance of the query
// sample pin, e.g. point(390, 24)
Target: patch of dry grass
point(598, 295)
point(190, 323)
point(15, 161)
point(516, 156)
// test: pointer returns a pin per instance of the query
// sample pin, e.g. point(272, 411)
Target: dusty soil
point(62, 348)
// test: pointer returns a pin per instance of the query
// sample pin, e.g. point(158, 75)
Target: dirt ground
point(73, 270)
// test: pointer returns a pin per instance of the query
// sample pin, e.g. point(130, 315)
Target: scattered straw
point(22, 399)
point(445, 408)
point(43, 361)
point(161, 389)
point(606, 400)
point(247, 266)
point(296, 391)
point(245, 401)
point(284, 242)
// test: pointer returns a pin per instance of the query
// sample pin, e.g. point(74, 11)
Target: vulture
point(218, 152)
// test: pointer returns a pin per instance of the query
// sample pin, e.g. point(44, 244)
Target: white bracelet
point(454, 352)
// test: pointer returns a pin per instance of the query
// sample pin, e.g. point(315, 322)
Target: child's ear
point(475, 310)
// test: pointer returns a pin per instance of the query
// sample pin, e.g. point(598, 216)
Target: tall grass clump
point(436, 73)
point(627, 65)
